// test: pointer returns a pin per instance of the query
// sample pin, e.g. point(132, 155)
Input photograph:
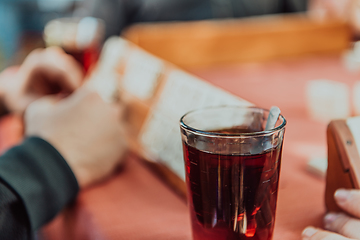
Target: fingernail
point(328, 219)
point(342, 195)
point(308, 232)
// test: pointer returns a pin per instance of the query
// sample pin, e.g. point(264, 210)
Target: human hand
point(345, 10)
point(345, 225)
point(43, 72)
point(83, 128)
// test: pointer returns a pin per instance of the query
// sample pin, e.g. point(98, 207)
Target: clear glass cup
point(80, 37)
point(232, 172)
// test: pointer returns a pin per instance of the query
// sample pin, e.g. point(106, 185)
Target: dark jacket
point(120, 13)
point(35, 184)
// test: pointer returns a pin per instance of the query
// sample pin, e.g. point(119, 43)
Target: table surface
point(135, 204)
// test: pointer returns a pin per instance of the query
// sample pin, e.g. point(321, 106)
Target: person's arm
point(86, 131)
point(35, 184)
point(295, 6)
point(14, 223)
point(344, 10)
point(82, 129)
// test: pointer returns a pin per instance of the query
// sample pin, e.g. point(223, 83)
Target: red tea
point(232, 197)
point(86, 57)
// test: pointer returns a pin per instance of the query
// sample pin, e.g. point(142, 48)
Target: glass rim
point(230, 135)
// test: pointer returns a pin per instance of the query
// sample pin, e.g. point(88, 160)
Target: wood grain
point(343, 162)
point(208, 43)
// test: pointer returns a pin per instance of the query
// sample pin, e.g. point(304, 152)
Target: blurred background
point(320, 38)
point(22, 23)
point(307, 64)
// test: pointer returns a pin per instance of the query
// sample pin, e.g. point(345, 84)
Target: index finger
point(72, 71)
point(57, 66)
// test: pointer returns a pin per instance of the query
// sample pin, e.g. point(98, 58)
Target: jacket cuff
point(41, 177)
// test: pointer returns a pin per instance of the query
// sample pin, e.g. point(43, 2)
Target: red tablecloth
point(135, 204)
point(301, 194)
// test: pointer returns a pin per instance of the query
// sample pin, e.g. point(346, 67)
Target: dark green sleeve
point(33, 175)
point(14, 223)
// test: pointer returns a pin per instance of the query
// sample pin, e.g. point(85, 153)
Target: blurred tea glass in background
point(232, 172)
point(80, 37)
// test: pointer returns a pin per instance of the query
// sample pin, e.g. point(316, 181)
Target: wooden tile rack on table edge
point(155, 95)
point(201, 44)
point(343, 159)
